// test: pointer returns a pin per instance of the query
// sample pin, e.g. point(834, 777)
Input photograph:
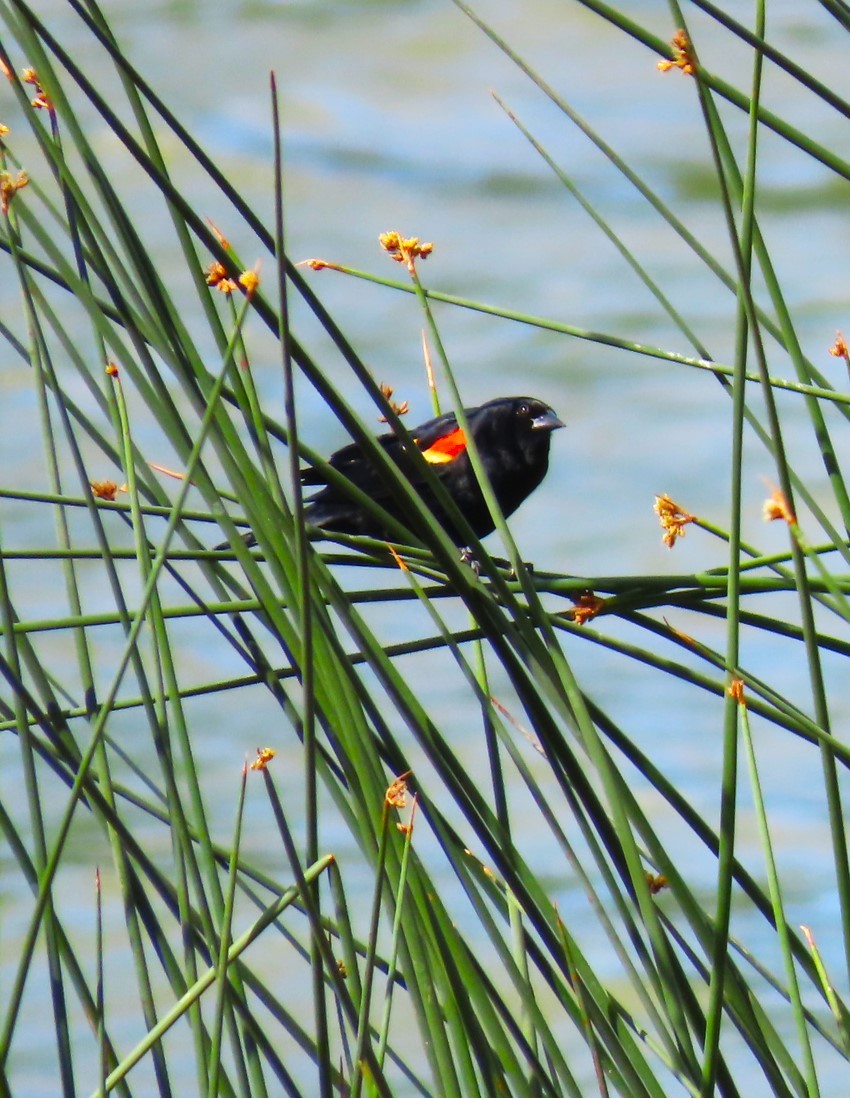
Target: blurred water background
point(389, 123)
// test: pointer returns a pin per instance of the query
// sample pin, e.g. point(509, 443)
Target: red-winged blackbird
point(512, 435)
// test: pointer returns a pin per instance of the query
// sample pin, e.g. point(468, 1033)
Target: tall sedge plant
point(404, 996)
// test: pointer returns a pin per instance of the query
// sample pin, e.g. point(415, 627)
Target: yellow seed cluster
point(673, 519)
point(683, 55)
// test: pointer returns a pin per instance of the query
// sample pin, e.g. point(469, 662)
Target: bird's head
point(523, 424)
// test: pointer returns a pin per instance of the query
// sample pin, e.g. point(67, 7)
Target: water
point(389, 124)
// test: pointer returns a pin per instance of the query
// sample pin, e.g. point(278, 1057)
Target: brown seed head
point(401, 408)
point(683, 55)
point(249, 281)
point(41, 100)
point(104, 489)
point(735, 690)
point(587, 606)
point(319, 264)
point(839, 348)
point(216, 275)
point(673, 519)
point(9, 187)
point(264, 757)
point(777, 507)
point(396, 794)
point(405, 249)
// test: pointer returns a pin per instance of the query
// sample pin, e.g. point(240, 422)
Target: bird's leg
point(468, 557)
point(500, 562)
point(247, 537)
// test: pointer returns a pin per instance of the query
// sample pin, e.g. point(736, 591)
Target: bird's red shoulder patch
point(446, 448)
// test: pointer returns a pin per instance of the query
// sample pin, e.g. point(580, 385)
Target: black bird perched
point(512, 435)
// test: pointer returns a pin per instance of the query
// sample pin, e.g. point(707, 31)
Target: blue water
point(389, 124)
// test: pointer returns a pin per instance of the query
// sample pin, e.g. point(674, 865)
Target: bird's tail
point(248, 537)
point(315, 514)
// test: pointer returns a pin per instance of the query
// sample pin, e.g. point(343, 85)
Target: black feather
point(512, 435)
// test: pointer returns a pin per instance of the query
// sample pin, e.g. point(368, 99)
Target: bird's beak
point(547, 421)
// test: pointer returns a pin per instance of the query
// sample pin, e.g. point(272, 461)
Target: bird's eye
point(523, 409)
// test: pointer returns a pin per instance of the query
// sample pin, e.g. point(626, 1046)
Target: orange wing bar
point(446, 448)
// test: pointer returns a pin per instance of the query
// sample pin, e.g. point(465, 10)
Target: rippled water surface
point(390, 123)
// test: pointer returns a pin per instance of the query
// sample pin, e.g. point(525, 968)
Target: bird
point(512, 436)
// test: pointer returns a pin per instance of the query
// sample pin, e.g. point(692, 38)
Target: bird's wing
point(440, 440)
